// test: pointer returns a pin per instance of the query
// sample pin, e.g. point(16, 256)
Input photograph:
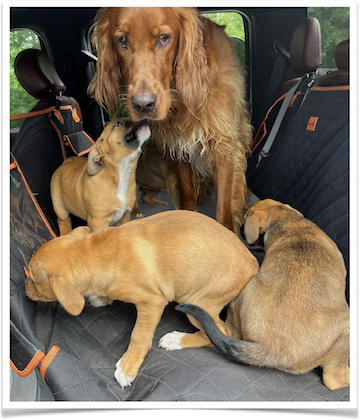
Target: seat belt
point(281, 58)
point(279, 118)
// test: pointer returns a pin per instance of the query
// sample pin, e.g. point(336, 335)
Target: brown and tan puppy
point(177, 255)
point(292, 315)
point(100, 189)
point(155, 172)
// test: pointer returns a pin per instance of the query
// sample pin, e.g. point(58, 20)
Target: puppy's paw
point(96, 301)
point(122, 379)
point(171, 341)
point(139, 215)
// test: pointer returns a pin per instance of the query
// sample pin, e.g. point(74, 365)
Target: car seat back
point(52, 129)
point(308, 166)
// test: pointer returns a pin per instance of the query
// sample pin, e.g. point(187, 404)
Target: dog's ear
point(107, 79)
point(255, 223)
point(71, 300)
point(95, 163)
point(191, 69)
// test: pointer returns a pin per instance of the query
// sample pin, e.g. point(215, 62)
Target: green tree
point(20, 101)
point(334, 23)
point(234, 28)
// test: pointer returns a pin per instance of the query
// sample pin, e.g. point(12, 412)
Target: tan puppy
point(177, 255)
point(292, 315)
point(100, 189)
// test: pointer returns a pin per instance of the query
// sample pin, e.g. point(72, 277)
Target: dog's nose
point(144, 103)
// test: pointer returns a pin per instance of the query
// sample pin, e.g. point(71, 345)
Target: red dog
point(180, 70)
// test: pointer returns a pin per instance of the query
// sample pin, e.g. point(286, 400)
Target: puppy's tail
point(247, 352)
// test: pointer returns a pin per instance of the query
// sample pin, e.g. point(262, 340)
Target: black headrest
point(305, 49)
point(342, 55)
point(36, 74)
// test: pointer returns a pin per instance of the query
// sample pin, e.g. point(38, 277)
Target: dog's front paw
point(139, 215)
point(171, 341)
point(122, 379)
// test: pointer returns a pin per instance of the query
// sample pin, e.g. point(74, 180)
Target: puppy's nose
point(144, 103)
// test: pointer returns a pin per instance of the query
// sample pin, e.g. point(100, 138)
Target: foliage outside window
point(234, 28)
point(20, 101)
point(334, 23)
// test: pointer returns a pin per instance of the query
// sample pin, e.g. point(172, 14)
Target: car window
point(234, 28)
point(20, 101)
point(334, 23)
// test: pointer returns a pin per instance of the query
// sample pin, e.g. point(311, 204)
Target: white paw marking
point(139, 215)
point(171, 341)
point(122, 379)
point(95, 301)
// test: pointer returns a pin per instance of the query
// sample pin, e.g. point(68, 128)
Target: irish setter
point(179, 69)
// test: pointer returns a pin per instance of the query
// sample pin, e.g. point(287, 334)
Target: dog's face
point(119, 139)
point(156, 52)
point(49, 280)
point(258, 217)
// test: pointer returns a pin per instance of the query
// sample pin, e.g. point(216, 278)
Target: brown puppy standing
point(100, 189)
point(292, 315)
point(177, 255)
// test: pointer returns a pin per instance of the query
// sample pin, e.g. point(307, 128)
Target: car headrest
point(342, 55)
point(305, 49)
point(36, 74)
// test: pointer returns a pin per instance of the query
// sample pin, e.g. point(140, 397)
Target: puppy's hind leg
point(336, 371)
point(63, 219)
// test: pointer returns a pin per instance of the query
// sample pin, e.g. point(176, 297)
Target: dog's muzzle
point(139, 133)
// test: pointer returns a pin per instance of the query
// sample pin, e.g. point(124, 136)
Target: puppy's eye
point(118, 123)
point(122, 41)
point(164, 39)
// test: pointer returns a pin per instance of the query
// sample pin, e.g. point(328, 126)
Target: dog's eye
point(164, 39)
point(122, 42)
point(118, 123)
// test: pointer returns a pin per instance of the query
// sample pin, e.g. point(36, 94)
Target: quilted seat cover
point(308, 166)
point(91, 343)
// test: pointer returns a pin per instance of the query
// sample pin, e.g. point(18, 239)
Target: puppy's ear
point(95, 163)
point(72, 301)
point(255, 224)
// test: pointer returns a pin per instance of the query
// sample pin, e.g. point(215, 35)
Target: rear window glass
point(334, 23)
point(20, 101)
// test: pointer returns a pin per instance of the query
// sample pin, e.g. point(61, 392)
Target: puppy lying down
point(293, 315)
point(178, 255)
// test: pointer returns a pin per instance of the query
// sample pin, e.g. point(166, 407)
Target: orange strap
point(39, 357)
point(262, 129)
point(48, 359)
point(31, 365)
point(31, 114)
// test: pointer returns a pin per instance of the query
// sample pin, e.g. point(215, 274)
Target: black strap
point(281, 59)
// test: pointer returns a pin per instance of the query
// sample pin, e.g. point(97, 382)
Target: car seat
point(308, 165)
point(52, 129)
